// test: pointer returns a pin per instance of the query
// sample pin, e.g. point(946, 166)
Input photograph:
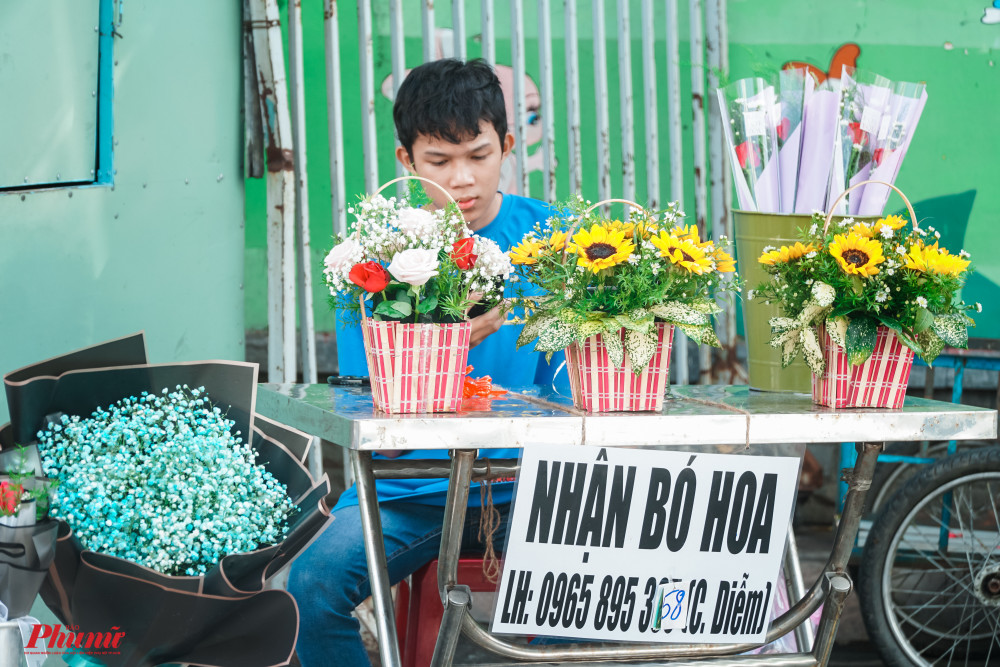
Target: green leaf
point(556, 336)
point(636, 320)
point(837, 328)
point(952, 329)
point(534, 326)
point(402, 294)
point(640, 347)
point(782, 324)
point(394, 309)
point(789, 351)
point(931, 343)
point(860, 339)
point(427, 305)
point(616, 351)
point(857, 285)
point(924, 320)
point(591, 327)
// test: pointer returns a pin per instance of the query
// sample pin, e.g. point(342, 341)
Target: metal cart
point(709, 418)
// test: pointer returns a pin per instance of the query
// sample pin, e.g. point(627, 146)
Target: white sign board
point(641, 545)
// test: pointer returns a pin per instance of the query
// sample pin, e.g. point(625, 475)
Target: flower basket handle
point(411, 177)
point(576, 225)
point(909, 206)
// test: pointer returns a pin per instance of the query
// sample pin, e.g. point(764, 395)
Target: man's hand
point(484, 325)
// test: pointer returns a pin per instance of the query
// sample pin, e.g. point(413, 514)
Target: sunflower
point(786, 253)
point(601, 248)
point(526, 252)
point(856, 254)
point(724, 262)
point(914, 258)
point(683, 252)
point(557, 241)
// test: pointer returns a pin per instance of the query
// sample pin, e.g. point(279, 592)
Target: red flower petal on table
point(462, 253)
point(369, 276)
point(858, 136)
point(748, 152)
point(784, 129)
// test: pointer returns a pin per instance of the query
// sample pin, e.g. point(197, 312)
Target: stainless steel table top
point(695, 415)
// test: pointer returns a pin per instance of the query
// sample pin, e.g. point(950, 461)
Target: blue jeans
point(331, 578)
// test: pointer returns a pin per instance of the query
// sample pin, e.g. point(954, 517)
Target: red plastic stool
point(419, 609)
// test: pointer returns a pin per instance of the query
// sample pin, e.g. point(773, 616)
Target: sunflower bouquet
point(584, 274)
point(856, 286)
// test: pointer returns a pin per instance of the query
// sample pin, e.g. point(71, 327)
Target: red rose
point(784, 129)
point(748, 153)
point(879, 155)
point(10, 498)
point(462, 253)
point(369, 276)
point(858, 136)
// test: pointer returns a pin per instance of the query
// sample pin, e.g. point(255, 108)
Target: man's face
point(469, 171)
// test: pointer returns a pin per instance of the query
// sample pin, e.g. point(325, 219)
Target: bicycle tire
point(929, 582)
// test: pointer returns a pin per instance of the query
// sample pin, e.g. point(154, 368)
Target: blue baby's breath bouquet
point(162, 480)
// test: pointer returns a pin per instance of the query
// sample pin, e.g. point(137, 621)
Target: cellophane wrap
point(600, 386)
point(416, 367)
point(879, 382)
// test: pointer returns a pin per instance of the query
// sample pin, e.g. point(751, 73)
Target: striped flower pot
point(879, 382)
point(416, 367)
point(600, 386)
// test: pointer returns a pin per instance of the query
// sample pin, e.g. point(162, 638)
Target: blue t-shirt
point(497, 356)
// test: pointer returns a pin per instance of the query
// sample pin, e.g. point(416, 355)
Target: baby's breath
point(161, 480)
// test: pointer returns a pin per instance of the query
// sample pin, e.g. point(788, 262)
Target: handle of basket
point(576, 225)
point(909, 206)
point(411, 177)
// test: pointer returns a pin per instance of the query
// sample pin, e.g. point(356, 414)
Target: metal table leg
point(378, 575)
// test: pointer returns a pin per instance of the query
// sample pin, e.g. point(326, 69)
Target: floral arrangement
point(854, 276)
point(22, 486)
point(593, 274)
point(415, 265)
point(162, 481)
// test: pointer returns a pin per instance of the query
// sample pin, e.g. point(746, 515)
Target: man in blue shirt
point(452, 127)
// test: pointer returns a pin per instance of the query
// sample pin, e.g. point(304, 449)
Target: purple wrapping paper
point(820, 121)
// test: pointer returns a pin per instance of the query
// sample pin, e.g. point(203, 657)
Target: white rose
point(344, 254)
point(414, 266)
point(415, 221)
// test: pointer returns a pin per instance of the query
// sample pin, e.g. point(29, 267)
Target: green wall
point(947, 172)
point(161, 250)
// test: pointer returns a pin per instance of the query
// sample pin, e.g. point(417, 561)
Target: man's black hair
point(447, 99)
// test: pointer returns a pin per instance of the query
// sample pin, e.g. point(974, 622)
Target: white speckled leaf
point(680, 313)
point(780, 324)
point(837, 328)
point(533, 327)
point(556, 336)
point(591, 327)
point(860, 339)
point(952, 329)
point(640, 347)
point(703, 334)
point(616, 351)
point(788, 351)
point(812, 351)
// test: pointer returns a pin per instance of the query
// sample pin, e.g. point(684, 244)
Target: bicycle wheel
point(930, 573)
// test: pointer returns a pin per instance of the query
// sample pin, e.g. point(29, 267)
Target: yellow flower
point(861, 229)
point(526, 252)
point(724, 262)
point(557, 241)
point(935, 260)
point(683, 252)
point(601, 248)
point(893, 222)
point(689, 233)
point(786, 253)
point(856, 254)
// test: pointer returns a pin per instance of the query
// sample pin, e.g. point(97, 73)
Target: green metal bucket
point(755, 231)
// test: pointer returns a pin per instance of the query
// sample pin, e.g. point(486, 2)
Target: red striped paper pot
point(600, 386)
point(879, 382)
point(416, 367)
